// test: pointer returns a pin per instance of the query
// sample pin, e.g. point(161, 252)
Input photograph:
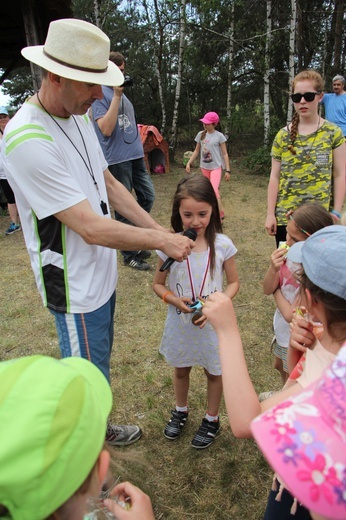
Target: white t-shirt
point(184, 344)
point(211, 157)
point(48, 175)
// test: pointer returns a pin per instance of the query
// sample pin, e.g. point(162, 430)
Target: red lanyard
point(204, 276)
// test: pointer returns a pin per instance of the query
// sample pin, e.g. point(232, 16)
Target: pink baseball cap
point(304, 440)
point(210, 117)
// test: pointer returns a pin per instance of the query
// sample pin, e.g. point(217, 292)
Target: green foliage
point(18, 86)
point(258, 161)
point(147, 33)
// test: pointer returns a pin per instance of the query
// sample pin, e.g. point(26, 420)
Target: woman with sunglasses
point(308, 161)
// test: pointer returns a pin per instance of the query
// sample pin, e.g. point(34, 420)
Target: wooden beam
point(33, 34)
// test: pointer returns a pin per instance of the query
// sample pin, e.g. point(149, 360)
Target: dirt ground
point(230, 479)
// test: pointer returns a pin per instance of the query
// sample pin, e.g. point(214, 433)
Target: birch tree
point(182, 31)
point(338, 41)
point(156, 40)
point(266, 96)
point(292, 41)
point(230, 69)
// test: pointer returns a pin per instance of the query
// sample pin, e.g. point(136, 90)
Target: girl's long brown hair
point(199, 188)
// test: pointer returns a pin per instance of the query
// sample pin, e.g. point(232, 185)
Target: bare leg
point(214, 393)
point(13, 212)
point(279, 366)
point(181, 381)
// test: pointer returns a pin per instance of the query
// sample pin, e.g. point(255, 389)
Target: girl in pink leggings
point(211, 147)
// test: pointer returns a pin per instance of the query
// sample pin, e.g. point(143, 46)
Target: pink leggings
point(215, 178)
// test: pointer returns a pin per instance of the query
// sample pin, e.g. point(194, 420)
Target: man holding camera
point(116, 128)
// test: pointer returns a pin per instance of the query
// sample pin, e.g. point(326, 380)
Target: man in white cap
point(64, 190)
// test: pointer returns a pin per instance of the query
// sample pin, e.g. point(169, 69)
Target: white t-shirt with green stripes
point(48, 175)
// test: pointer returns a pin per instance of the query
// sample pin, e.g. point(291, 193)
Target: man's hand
point(177, 246)
point(118, 91)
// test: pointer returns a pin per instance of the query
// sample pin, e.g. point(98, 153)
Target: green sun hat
point(53, 419)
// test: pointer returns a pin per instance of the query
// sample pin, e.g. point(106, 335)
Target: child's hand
point(278, 258)
point(188, 168)
point(182, 302)
point(219, 311)
point(302, 336)
point(227, 176)
point(201, 322)
point(140, 503)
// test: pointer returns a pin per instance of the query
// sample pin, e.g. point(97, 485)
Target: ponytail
point(293, 132)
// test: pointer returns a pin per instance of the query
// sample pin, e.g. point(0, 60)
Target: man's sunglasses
point(308, 96)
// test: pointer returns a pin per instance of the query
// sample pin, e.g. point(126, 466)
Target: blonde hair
point(317, 80)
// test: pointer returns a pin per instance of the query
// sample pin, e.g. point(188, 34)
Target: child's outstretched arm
point(160, 288)
point(241, 399)
point(193, 157)
point(273, 190)
point(232, 277)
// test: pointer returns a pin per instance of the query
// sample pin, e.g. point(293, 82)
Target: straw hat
point(77, 50)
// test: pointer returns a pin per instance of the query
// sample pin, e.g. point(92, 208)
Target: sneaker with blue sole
point(12, 229)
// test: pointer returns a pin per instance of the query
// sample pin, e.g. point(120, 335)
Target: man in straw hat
point(64, 190)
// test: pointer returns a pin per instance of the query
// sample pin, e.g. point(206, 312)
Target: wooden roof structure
point(25, 22)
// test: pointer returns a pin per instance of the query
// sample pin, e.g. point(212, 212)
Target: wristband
point(336, 213)
point(165, 294)
point(227, 171)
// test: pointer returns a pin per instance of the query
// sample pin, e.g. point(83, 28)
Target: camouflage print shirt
point(306, 176)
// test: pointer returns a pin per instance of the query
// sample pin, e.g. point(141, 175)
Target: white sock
point(181, 408)
point(211, 418)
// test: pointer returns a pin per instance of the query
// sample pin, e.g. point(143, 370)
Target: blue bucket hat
point(324, 259)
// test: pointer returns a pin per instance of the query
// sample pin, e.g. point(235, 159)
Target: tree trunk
point(34, 36)
point(339, 18)
point(182, 30)
point(229, 72)
point(291, 55)
point(158, 70)
point(267, 74)
point(97, 14)
point(157, 50)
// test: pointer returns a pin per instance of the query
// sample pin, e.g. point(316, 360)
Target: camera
point(128, 81)
point(197, 311)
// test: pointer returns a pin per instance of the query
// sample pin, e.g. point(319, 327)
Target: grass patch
point(230, 479)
